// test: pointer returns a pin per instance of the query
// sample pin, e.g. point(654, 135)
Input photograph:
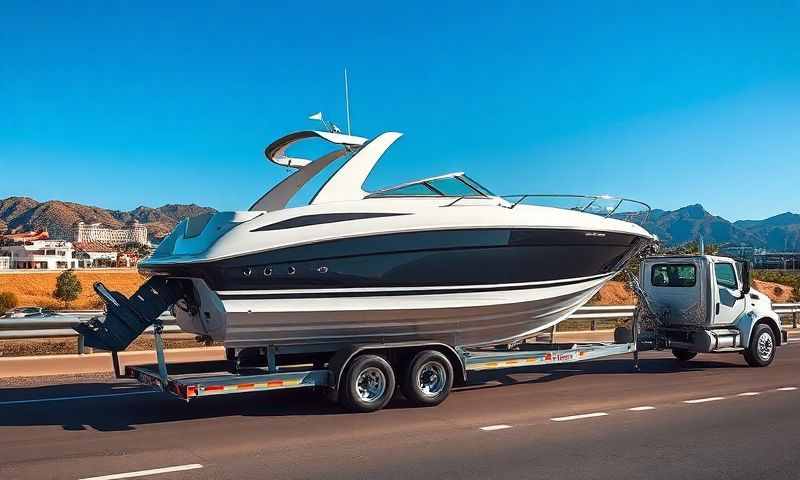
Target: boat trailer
point(191, 380)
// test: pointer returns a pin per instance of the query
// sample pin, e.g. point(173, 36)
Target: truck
point(689, 304)
point(705, 304)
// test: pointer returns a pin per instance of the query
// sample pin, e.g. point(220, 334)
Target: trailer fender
point(341, 359)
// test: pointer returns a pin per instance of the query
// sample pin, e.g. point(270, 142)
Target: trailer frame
point(192, 380)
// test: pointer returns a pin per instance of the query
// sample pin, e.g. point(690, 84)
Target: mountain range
point(686, 224)
point(673, 227)
point(23, 214)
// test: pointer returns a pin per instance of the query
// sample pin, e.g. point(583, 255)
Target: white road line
point(786, 389)
point(642, 408)
point(61, 399)
point(579, 417)
point(142, 473)
point(704, 400)
point(495, 427)
point(748, 394)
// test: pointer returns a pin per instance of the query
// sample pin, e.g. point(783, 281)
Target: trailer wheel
point(428, 378)
point(683, 355)
point(761, 351)
point(368, 384)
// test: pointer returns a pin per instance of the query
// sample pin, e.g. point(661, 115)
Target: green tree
point(8, 300)
point(68, 287)
point(693, 248)
point(137, 248)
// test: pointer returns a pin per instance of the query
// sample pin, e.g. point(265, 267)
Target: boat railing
point(604, 205)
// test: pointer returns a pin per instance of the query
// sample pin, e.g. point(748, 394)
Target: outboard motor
point(127, 318)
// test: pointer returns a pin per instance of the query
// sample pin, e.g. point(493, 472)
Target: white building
point(133, 232)
point(90, 255)
point(40, 254)
point(56, 255)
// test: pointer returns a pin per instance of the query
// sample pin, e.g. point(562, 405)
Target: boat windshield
point(451, 185)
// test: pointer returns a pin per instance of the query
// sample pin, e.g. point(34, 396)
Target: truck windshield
point(673, 275)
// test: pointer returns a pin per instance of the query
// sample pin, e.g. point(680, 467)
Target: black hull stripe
point(394, 293)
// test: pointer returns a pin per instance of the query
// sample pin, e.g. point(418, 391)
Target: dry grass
point(613, 293)
point(37, 288)
point(775, 291)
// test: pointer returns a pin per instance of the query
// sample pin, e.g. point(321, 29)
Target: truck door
point(729, 302)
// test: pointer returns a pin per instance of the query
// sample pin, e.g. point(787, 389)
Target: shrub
point(8, 300)
point(778, 291)
point(68, 287)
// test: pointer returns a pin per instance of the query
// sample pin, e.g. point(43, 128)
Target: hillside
point(689, 223)
point(57, 217)
point(781, 232)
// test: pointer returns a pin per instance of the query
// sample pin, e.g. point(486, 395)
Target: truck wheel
point(683, 355)
point(368, 384)
point(761, 351)
point(428, 378)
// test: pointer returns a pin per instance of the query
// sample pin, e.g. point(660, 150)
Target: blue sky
point(127, 104)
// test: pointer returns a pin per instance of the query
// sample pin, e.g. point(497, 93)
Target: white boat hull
point(495, 315)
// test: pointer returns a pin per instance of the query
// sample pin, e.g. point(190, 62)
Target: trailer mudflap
point(127, 318)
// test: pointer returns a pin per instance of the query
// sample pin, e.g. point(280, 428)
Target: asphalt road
point(533, 433)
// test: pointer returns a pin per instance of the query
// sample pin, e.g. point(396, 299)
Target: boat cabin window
point(673, 275)
point(453, 187)
point(444, 186)
point(413, 190)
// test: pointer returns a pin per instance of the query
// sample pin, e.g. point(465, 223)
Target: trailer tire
point(683, 355)
point(428, 378)
point(368, 384)
point(761, 351)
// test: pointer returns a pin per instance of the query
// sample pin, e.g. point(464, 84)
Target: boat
point(440, 259)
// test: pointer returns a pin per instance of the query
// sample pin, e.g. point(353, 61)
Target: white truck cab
point(704, 303)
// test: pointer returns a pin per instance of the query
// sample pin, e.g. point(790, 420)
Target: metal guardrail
point(61, 324)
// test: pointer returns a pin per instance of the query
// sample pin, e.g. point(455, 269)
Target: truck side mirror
point(745, 278)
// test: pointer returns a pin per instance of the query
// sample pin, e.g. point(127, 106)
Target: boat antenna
point(347, 99)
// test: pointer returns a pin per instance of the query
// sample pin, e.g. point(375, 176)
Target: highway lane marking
point(491, 428)
point(642, 408)
point(143, 473)
point(748, 394)
point(704, 400)
point(579, 417)
point(786, 389)
point(61, 399)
